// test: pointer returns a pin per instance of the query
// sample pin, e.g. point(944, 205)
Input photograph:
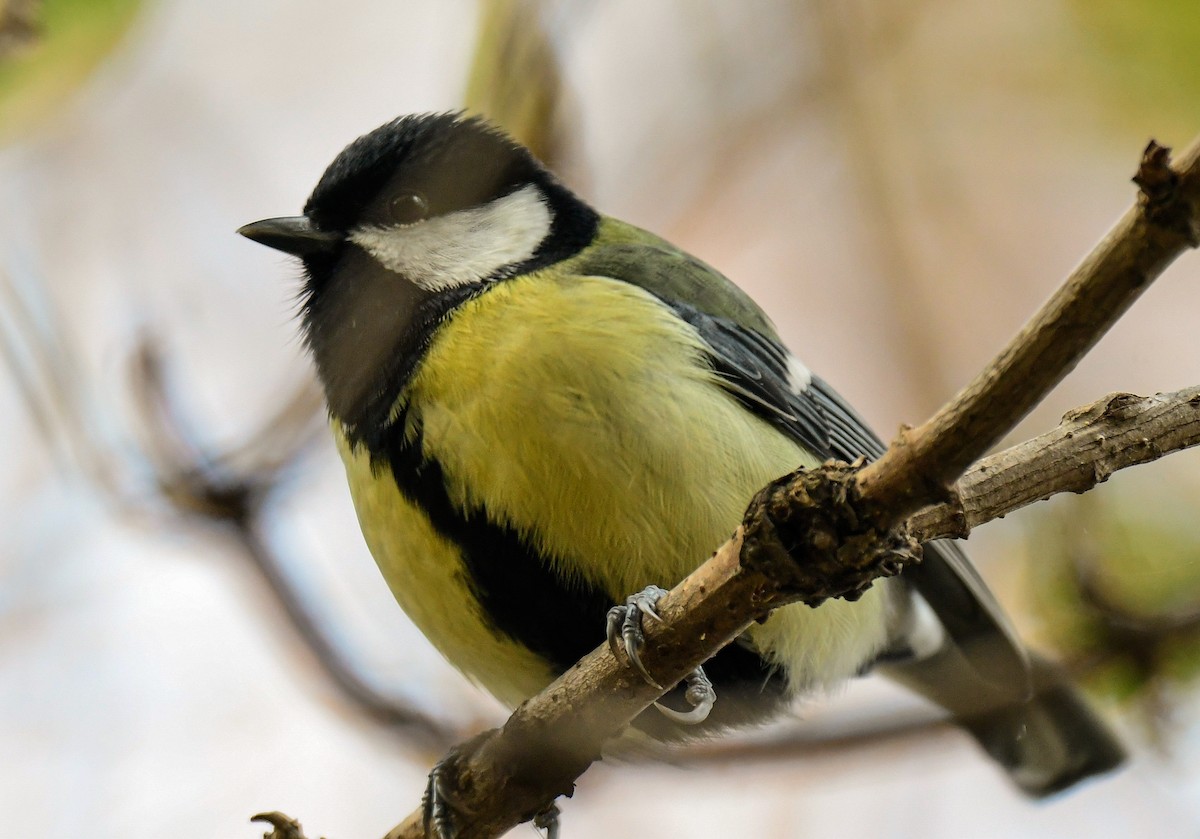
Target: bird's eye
point(408, 207)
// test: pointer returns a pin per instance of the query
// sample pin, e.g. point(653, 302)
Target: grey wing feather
point(673, 275)
point(753, 366)
point(754, 369)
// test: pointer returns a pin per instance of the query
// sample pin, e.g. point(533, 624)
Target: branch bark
point(1091, 443)
point(551, 739)
point(506, 776)
point(921, 464)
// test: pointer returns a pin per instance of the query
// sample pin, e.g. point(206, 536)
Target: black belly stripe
point(559, 620)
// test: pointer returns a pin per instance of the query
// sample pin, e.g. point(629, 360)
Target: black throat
point(367, 333)
point(368, 328)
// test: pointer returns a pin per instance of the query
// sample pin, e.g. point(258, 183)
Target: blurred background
point(191, 629)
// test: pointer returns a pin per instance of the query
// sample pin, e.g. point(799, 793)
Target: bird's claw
point(699, 694)
point(438, 807)
point(625, 632)
point(440, 811)
point(626, 622)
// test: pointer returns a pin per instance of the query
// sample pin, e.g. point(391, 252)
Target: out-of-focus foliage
point(69, 39)
point(514, 78)
point(1115, 584)
point(1146, 57)
point(873, 162)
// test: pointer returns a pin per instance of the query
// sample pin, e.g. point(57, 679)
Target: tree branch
point(836, 519)
point(922, 462)
point(1092, 442)
point(573, 717)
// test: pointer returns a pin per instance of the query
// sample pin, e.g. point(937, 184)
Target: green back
point(640, 258)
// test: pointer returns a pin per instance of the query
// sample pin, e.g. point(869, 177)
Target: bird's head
point(424, 206)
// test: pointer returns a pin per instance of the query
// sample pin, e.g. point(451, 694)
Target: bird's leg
point(625, 624)
point(547, 820)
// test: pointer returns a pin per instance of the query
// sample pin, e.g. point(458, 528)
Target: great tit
point(542, 410)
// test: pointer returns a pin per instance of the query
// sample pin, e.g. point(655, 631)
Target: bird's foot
point(699, 694)
point(625, 632)
point(439, 809)
point(625, 624)
point(547, 820)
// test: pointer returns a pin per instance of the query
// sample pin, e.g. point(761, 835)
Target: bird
point(545, 412)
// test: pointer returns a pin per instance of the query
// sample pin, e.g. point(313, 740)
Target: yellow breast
point(579, 412)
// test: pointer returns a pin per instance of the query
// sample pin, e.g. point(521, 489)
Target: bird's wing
point(756, 368)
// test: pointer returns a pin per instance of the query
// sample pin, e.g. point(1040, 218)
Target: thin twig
point(231, 490)
point(922, 462)
point(1113, 433)
point(504, 777)
point(398, 715)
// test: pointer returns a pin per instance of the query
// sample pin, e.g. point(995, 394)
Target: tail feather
point(1042, 732)
point(1051, 741)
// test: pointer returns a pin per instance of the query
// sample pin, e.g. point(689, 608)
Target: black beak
point(295, 235)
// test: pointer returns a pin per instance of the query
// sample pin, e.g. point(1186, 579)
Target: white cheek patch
point(799, 376)
point(463, 247)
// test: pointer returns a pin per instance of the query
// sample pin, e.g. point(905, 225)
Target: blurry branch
point(846, 522)
point(49, 374)
point(1136, 641)
point(23, 364)
point(185, 473)
point(514, 78)
point(1140, 633)
point(20, 27)
point(798, 741)
point(230, 490)
point(870, 154)
point(1119, 599)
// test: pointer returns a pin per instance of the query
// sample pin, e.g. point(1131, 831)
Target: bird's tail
point(1042, 732)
